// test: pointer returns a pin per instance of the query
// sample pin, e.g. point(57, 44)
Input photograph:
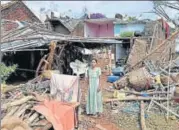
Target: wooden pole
point(140, 99)
point(168, 88)
point(142, 116)
point(138, 93)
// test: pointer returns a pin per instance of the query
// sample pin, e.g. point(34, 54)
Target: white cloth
point(64, 87)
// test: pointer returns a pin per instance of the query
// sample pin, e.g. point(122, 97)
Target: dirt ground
point(122, 119)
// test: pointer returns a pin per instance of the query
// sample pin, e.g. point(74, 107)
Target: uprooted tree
point(161, 8)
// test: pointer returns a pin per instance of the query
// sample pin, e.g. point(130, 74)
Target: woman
point(94, 101)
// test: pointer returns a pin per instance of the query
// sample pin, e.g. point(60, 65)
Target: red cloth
point(166, 27)
point(61, 115)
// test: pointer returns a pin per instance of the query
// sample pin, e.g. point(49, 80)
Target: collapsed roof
point(36, 35)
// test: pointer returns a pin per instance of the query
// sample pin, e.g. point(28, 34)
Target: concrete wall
point(61, 29)
point(99, 30)
point(120, 28)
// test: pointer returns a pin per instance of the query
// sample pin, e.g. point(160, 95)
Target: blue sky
point(109, 8)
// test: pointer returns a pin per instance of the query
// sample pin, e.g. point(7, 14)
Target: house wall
point(120, 28)
point(99, 30)
point(79, 30)
point(61, 29)
point(18, 12)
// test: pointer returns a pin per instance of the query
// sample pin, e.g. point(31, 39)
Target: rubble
point(19, 102)
point(150, 79)
point(147, 89)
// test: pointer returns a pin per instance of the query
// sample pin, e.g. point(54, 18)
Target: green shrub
point(5, 71)
point(127, 34)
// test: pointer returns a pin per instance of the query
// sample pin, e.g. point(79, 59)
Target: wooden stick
point(168, 90)
point(140, 99)
point(12, 111)
point(138, 93)
point(23, 110)
point(20, 108)
point(40, 64)
point(32, 118)
point(47, 126)
point(166, 109)
point(8, 89)
point(142, 116)
point(17, 102)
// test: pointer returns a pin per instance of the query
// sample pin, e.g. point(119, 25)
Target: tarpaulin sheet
point(60, 114)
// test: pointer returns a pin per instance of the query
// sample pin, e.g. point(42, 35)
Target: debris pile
point(151, 77)
point(18, 102)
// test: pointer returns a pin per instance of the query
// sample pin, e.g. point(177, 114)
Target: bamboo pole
point(142, 116)
point(168, 88)
point(138, 93)
point(140, 99)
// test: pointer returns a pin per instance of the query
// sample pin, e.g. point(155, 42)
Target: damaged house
point(153, 32)
point(35, 47)
point(65, 25)
point(99, 27)
point(16, 14)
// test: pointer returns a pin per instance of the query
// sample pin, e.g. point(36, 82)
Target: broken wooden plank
point(18, 102)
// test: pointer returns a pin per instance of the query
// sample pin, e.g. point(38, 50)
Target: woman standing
point(94, 101)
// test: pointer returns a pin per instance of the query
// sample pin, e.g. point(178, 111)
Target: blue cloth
point(112, 79)
point(145, 95)
point(119, 71)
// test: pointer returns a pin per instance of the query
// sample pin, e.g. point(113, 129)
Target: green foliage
point(127, 34)
point(5, 71)
point(130, 18)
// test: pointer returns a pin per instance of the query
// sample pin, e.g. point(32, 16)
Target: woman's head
point(94, 62)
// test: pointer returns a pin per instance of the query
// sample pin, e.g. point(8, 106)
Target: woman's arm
point(100, 81)
point(100, 86)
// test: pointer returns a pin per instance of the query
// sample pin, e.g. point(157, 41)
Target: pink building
point(99, 28)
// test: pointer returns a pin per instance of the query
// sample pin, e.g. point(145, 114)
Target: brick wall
point(18, 12)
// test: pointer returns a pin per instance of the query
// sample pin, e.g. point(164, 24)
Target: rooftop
point(70, 24)
point(100, 21)
point(35, 35)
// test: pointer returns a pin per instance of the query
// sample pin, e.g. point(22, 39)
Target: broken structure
point(16, 14)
